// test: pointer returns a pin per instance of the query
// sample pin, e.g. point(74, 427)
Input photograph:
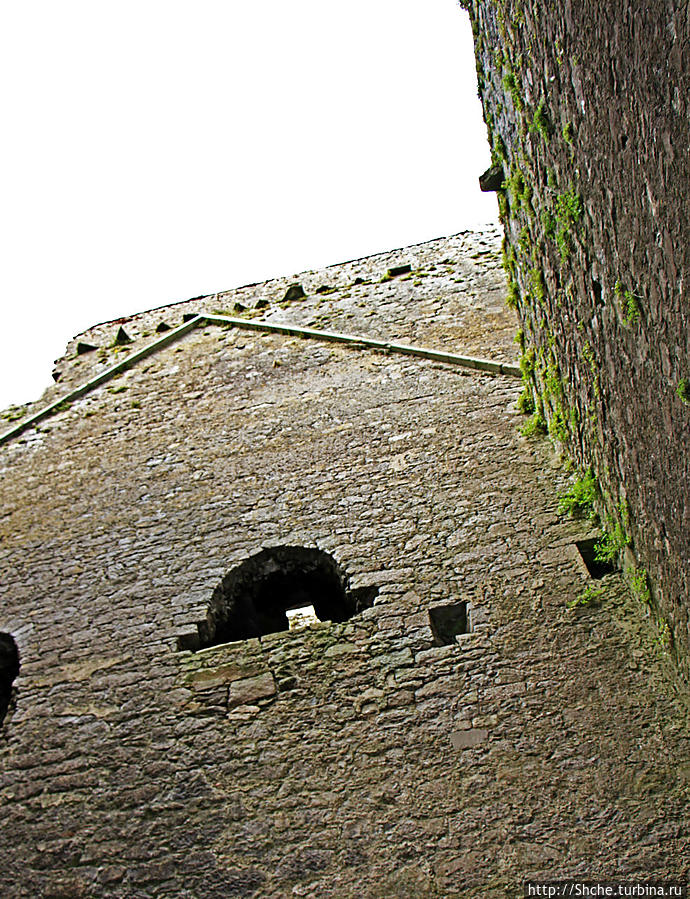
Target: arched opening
point(276, 590)
point(9, 669)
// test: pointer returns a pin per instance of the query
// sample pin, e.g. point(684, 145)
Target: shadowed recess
point(596, 567)
point(9, 669)
point(447, 622)
point(253, 599)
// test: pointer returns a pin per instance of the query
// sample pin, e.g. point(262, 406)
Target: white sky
point(154, 151)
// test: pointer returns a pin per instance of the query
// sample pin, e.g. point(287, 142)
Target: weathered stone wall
point(587, 111)
point(347, 760)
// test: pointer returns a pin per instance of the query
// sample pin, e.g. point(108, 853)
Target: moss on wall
point(589, 120)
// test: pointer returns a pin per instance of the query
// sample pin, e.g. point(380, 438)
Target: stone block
point(468, 739)
point(249, 689)
point(209, 678)
point(341, 649)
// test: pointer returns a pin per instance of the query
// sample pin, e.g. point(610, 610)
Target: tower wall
point(587, 112)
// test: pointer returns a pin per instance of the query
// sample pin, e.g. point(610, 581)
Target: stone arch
point(254, 597)
point(9, 669)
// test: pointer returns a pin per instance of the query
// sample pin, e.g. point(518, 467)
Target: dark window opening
point(596, 290)
point(596, 568)
point(9, 669)
point(448, 622)
point(255, 598)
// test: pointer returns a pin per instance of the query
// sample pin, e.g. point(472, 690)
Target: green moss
point(569, 207)
point(590, 596)
point(499, 148)
point(629, 303)
point(519, 191)
point(519, 339)
point(568, 213)
point(665, 638)
point(564, 243)
point(580, 497)
point(534, 427)
point(14, 413)
point(558, 428)
point(683, 390)
point(631, 308)
point(525, 402)
point(541, 123)
point(612, 541)
point(548, 223)
point(513, 297)
point(515, 185)
point(527, 363)
point(538, 284)
point(568, 133)
point(512, 87)
point(639, 585)
point(552, 380)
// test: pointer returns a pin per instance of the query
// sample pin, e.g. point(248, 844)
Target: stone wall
point(354, 759)
point(587, 113)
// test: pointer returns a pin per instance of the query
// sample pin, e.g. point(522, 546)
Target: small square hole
point(447, 622)
point(596, 568)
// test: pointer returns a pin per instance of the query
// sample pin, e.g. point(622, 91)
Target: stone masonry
point(353, 759)
point(587, 107)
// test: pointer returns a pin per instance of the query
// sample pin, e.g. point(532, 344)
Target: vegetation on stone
point(580, 497)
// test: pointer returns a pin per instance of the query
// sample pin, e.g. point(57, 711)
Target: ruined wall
point(359, 759)
point(587, 112)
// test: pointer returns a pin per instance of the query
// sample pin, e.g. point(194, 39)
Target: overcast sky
point(154, 151)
